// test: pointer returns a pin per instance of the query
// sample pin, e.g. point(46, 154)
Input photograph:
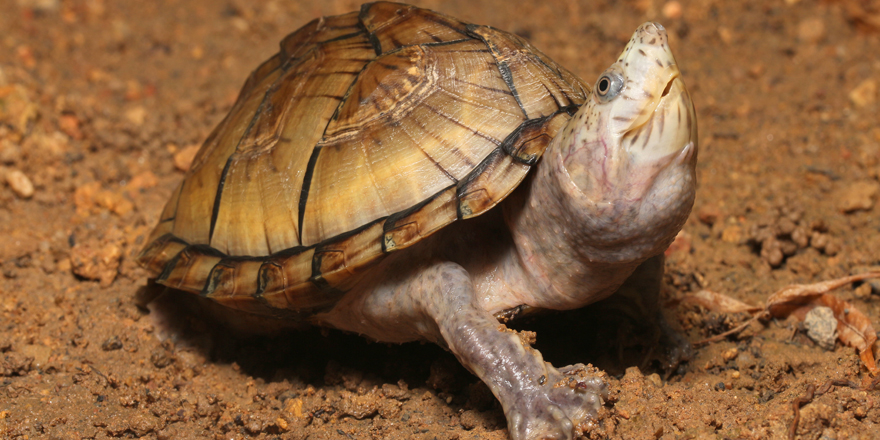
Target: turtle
point(400, 174)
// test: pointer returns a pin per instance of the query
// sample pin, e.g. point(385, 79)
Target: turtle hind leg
point(439, 304)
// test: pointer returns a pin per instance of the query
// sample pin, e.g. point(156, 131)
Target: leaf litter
point(853, 326)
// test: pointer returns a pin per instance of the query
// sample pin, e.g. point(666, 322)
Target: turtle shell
point(366, 133)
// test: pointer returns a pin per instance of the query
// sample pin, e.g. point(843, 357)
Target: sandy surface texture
point(103, 103)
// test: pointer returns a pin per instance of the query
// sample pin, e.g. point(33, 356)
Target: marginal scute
point(408, 227)
point(500, 174)
point(271, 279)
point(221, 279)
point(191, 270)
point(158, 252)
point(222, 284)
point(366, 133)
point(338, 262)
point(232, 280)
point(529, 141)
point(292, 288)
point(166, 220)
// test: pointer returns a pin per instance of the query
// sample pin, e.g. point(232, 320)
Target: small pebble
point(829, 434)
point(709, 214)
point(732, 234)
point(862, 292)
point(864, 94)
point(160, 358)
point(17, 110)
point(469, 420)
point(832, 248)
point(785, 226)
point(197, 52)
point(681, 244)
point(183, 158)
point(20, 184)
point(69, 125)
point(818, 240)
point(822, 327)
point(858, 196)
point(672, 10)
point(771, 252)
point(756, 70)
point(811, 30)
point(801, 237)
point(136, 115)
point(112, 343)
point(725, 34)
point(787, 247)
point(10, 152)
point(95, 262)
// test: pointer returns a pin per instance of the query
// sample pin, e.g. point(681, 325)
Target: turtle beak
point(670, 127)
point(660, 113)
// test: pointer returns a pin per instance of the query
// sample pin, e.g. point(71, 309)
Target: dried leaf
point(797, 296)
point(853, 328)
point(718, 302)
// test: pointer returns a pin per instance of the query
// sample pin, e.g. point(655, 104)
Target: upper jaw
point(669, 127)
point(628, 143)
point(651, 75)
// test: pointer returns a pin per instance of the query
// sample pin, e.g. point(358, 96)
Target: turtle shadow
point(275, 350)
point(605, 335)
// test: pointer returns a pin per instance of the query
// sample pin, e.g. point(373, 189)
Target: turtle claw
point(560, 408)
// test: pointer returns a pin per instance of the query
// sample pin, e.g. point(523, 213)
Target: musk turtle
point(354, 185)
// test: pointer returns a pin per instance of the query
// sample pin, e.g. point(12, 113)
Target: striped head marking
point(651, 112)
point(631, 149)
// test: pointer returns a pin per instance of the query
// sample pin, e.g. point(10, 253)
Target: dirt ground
point(102, 102)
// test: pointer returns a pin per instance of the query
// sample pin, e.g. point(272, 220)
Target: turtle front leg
point(539, 401)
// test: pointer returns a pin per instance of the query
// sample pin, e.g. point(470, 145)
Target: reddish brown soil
point(100, 99)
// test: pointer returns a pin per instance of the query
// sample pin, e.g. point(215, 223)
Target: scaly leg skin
point(439, 304)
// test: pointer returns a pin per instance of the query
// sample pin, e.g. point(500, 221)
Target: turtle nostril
point(654, 28)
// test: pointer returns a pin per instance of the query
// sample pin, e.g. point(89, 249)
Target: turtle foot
point(561, 407)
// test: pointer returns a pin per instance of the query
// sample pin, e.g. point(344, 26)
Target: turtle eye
point(609, 86)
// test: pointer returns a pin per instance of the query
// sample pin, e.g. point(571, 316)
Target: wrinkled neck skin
point(614, 186)
point(579, 233)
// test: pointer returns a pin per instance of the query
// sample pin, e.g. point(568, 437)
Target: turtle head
point(629, 153)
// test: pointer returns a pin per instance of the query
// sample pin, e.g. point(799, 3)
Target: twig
point(732, 331)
